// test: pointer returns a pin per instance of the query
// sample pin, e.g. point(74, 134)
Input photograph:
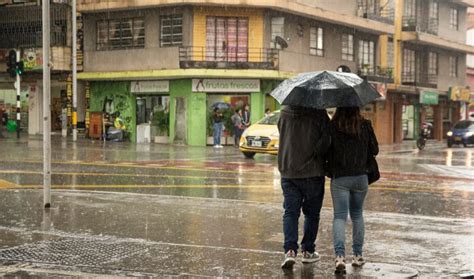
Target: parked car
point(462, 133)
point(261, 137)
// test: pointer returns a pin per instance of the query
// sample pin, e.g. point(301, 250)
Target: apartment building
point(20, 28)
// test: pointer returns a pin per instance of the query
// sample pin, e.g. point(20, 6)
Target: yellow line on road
point(5, 184)
point(130, 175)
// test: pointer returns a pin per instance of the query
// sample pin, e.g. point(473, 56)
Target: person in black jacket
point(302, 178)
point(350, 139)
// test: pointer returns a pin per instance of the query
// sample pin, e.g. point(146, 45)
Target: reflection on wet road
point(423, 199)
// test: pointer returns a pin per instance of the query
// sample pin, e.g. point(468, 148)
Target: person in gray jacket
point(302, 178)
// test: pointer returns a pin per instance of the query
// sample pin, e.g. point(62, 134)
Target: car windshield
point(463, 125)
point(272, 119)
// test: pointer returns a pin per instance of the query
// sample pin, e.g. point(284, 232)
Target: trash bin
point(11, 126)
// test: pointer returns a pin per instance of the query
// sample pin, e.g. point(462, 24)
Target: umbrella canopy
point(325, 89)
point(221, 106)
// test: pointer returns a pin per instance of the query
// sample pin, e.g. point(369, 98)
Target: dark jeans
point(306, 194)
point(237, 134)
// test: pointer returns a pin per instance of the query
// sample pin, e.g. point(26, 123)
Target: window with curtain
point(348, 47)
point(171, 30)
point(366, 54)
point(453, 19)
point(120, 34)
point(227, 39)
point(453, 66)
point(316, 41)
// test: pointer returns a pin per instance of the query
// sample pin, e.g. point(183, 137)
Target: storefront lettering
point(226, 85)
point(157, 86)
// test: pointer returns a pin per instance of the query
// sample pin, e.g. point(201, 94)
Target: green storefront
point(178, 109)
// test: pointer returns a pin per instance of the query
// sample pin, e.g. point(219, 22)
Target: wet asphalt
point(179, 211)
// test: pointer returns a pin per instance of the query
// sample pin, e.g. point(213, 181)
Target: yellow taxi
point(261, 137)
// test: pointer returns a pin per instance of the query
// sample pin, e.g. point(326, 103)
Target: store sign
point(152, 86)
point(429, 98)
point(457, 93)
point(226, 85)
point(33, 58)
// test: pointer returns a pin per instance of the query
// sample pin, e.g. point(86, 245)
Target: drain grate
point(72, 252)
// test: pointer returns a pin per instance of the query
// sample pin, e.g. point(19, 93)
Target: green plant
point(161, 121)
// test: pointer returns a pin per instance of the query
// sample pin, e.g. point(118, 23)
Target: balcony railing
point(425, 25)
point(421, 79)
point(238, 58)
point(377, 74)
point(383, 14)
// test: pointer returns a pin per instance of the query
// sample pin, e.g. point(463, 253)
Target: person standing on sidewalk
point(352, 140)
point(238, 126)
point(302, 178)
point(218, 124)
point(246, 116)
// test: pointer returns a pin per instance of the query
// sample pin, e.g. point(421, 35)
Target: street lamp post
point(46, 107)
point(74, 71)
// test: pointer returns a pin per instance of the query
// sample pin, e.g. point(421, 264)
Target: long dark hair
point(348, 120)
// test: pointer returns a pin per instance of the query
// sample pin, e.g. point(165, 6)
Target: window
point(390, 50)
point(410, 9)
point(348, 47)
point(171, 30)
point(453, 19)
point(366, 55)
point(408, 73)
point(121, 33)
point(368, 6)
point(278, 29)
point(434, 10)
point(227, 39)
point(453, 66)
point(432, 63)
point(316, 46)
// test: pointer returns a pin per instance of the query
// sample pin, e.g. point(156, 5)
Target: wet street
point(138, 210)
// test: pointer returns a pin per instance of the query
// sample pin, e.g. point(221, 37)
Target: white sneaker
point(308, 257)
point(290, 260)
point(220, 146)
point(216, 146)
point(357, 260)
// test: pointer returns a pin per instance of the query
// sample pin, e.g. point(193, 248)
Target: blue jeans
point(348, 195)
point(217, 133)
point(306, 194)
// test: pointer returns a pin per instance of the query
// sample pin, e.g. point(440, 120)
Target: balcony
point(384, 14)
point(421, 79)
point(379, 74)
point(425, 25)
point(251, 58)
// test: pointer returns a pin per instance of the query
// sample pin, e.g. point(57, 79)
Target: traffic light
point(11, 63)
point(20, 68)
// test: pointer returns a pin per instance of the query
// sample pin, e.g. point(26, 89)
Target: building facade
point(165, 64)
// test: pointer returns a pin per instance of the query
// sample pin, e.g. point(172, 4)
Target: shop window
point(453, 66)
point(227, 39)
point(366, 55)
point(121, 34)
point(453, 19)
point(278, 29)
point(171, 28)
point(348, 47)
point(316, 41)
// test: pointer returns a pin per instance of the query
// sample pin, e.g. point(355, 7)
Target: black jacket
point(300, 132)
point(347, 154)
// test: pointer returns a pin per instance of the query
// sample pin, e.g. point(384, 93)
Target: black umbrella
point(221, 106)
point(325, 89)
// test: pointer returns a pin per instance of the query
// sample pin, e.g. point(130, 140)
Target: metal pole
point(74, 71)
point(46, 107)
point(18, 95)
